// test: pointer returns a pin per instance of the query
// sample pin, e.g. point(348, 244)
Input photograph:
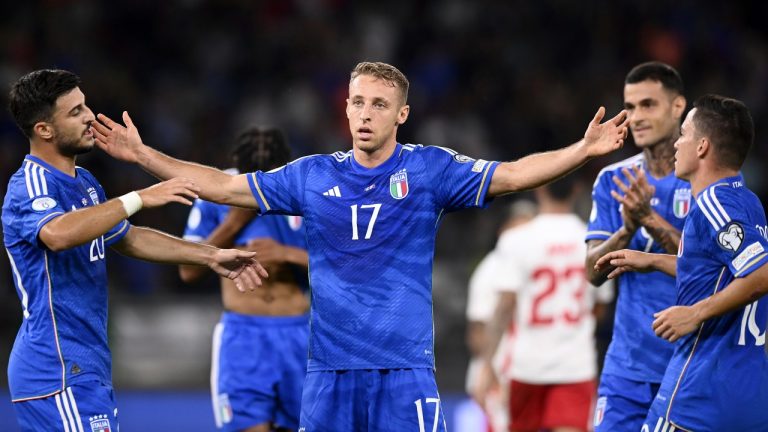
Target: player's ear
point(402, 116)
point(43, 129)
point(347, 108)
point(703, 146)
point(678, 106)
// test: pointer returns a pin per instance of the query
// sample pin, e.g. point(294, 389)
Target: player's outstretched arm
point(151, 245)
point(124, 143)
point(222, 237)
point(626, 260)
point(538, 169)
point(81, 226)
point(677, 321)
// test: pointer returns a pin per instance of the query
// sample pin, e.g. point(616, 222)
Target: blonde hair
point(385, 72)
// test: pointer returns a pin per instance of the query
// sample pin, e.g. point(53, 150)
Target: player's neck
point(705, 177)
point(660, 158)
point(372, 159)
point(49, 153)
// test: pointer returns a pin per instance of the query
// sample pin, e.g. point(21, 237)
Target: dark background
point(496, 80)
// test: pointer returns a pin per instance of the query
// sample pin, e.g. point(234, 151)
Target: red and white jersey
point(542, 261)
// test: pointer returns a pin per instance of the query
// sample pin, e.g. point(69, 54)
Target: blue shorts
point(371, 400)
point(622, 404)
point(82, 407)
point(257, 370)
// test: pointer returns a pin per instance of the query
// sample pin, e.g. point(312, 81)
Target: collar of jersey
point(384, 167)
point(725, 180)
point(55, 171)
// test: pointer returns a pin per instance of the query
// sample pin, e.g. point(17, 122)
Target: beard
point(71, 146)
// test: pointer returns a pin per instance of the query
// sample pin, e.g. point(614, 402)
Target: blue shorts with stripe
point(82, 407)
point(258, 369)
point(622, 404)
point(372, 400)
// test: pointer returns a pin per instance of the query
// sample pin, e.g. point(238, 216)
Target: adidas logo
point(334, 192)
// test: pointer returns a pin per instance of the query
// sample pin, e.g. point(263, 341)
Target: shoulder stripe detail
point(341, 156)
point(447, 150)
point(703, 207)
point(717, 204)
point(712, 210)
point(34, 176)
point(634, 160)
point(20, 284)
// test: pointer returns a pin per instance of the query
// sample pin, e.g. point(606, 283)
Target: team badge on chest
point(682, 202)
point(398, 185)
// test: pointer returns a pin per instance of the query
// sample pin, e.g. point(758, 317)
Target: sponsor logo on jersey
point(398, 185)
point(460, 158)
point(94, 195)
point(43, 204)
point(749, 252)
point(100, 423)
point(682, 203)
point(731, 237)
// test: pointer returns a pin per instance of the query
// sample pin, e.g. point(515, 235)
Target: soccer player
point(260, 344)
point(639, 204)
point(56, 225)
point(371, 216)
point(543, 291)
point(484, 287)
point(717, 379)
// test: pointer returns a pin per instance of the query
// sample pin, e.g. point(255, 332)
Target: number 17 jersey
point(371, 240)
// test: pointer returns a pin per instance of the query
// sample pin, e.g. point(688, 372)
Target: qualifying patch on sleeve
point(43, 204)
point(479, 165)
point(460, 158)
point(750, 252)
point(731, 237)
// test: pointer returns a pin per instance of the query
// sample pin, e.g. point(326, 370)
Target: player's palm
point(179, 189)
point(603, 138)
point(120, 142)
point(623, 261)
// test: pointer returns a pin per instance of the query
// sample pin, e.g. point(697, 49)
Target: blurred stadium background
point(491, 79)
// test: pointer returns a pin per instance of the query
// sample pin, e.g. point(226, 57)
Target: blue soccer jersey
point(63, 336)
point(717, 378)
point(635, 352)
point(371, 239)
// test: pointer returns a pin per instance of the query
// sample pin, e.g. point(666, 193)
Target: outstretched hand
point(240, 266)
point(623, 261)
point(120, 142)
point(603, 138)
point(179, 189)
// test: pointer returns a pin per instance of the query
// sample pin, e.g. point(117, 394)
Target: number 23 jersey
point(371, 240)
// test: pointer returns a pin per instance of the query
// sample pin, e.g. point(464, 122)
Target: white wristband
point(131, 202)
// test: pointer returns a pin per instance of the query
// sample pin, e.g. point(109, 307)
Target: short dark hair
point(260, 149)
point(728, 125)
point(656, 71)
point(33, 97)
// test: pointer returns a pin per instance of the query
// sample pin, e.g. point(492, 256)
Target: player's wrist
point(132, 203)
